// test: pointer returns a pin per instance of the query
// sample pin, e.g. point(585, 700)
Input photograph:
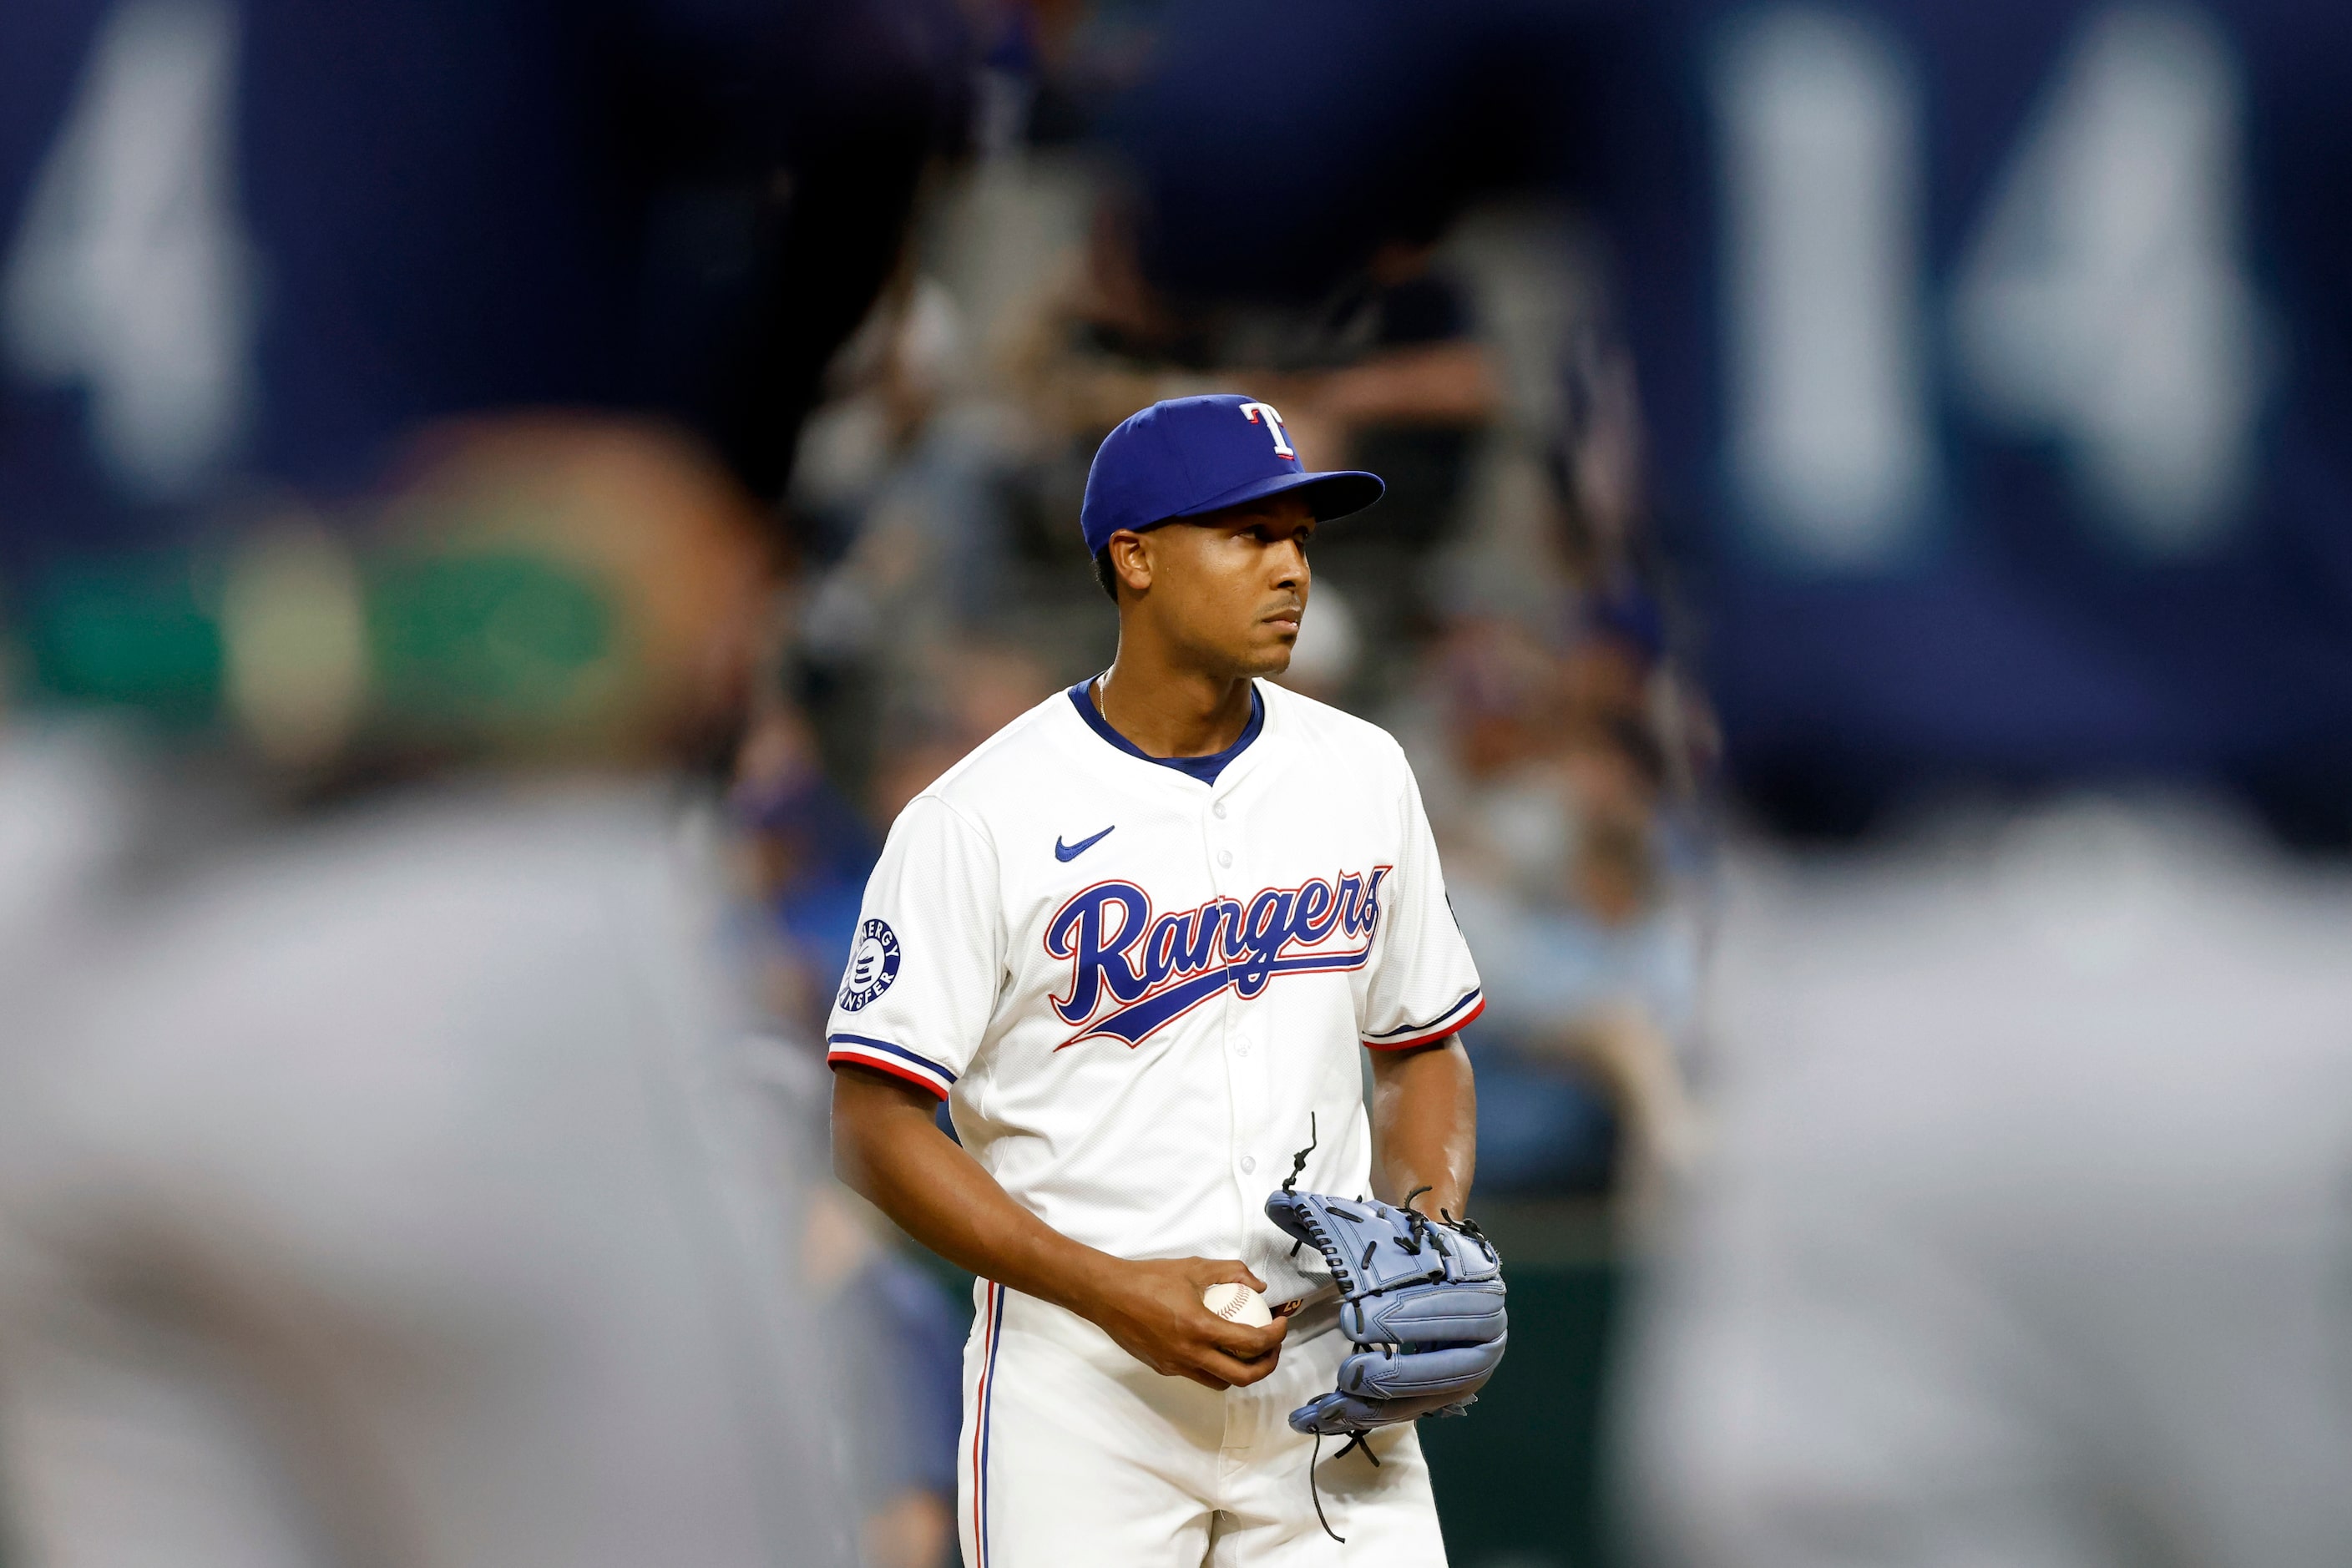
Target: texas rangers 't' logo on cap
point(1189, 456)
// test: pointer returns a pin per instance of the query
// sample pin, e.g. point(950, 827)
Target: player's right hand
point(1153, 1311)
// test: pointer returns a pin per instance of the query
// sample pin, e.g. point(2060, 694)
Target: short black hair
point(1104, 576)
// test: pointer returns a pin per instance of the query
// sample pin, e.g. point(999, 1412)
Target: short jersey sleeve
point(1422, 985)
point(923, 972)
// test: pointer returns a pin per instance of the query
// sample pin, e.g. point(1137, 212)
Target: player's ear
point(1130, 560)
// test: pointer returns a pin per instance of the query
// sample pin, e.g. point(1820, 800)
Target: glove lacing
point(1425, 1233)
point(1290, 1185)
point(1356, 1441)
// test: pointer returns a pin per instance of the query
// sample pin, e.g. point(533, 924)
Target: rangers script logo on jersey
point(1158, 969)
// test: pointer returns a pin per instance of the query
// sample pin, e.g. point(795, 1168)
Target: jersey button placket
point(1216, 838)
point(1244, 1074)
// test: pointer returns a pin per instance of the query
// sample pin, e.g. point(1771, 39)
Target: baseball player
point(1134, 940)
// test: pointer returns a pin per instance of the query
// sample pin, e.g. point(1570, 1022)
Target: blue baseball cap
point(1191, 456)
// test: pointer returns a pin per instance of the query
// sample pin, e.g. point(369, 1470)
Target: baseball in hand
point(1237, 1304)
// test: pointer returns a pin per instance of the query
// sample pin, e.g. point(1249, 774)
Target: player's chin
point(1270, 649)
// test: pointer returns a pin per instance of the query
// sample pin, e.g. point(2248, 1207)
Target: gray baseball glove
point(1423, 1296)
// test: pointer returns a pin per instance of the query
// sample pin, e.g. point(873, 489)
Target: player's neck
point(1167, 711)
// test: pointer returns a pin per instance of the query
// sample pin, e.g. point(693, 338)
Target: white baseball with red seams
point(1138, 984)
point(1237, 1303)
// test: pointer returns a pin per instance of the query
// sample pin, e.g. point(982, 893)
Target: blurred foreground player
point(1997, 377)
point(1134, 941)
point(387, 1184)
point(377, 1183)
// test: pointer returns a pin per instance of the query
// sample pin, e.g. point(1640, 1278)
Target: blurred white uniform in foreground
point(2030, 1242)
point(387, 1192)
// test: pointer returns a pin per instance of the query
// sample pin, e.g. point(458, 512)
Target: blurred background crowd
point(502, 503)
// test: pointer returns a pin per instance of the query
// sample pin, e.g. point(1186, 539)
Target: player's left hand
point(1423, 1296)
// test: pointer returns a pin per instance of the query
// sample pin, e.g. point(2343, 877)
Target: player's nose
point(1288, 557)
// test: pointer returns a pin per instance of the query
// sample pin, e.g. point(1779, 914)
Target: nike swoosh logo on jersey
point(1072, 851)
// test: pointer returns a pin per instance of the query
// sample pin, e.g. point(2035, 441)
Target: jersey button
point(1217, 810)
point(1249, 1164)
point(1224, 857)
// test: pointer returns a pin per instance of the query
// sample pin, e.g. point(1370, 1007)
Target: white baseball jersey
point(1136, 982)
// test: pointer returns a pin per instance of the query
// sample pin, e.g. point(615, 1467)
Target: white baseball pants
point(1073, 1451)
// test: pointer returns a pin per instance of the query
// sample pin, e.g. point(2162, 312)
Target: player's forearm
point(1424, 1126)
point(886, 1148)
